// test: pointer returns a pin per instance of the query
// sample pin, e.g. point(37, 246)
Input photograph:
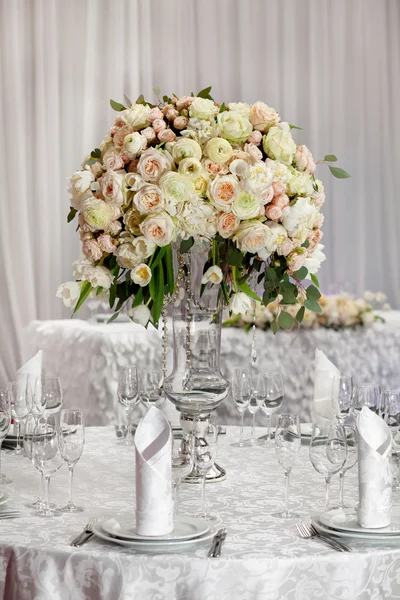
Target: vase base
point(216, 473)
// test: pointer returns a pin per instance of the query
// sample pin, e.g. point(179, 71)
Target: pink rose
point(180, 122)
point(319, 198)
point(166, 108)
point(167, 136)
point(149, 134)
point(92, 250)
point(262, 117)
point(286, 247)
point(319, 219)
point(314, 238)
point(279, 188)
point(269, 195)
point(310, 165)
point(295, 260)
point(152, 165)
point(255, 138)
point(253, 151)
point(172, 114)
point(227, 224)
point(118, 138)
point(282, 201)
point(214, 168)
point(159, 125)
point(155, 113)
point(300, 160)
point(184, 102)
point(114, 228)
point(85, 235)
point(83, 226)
point(113, 160)
point(273, 212)
point(97, 169)
point(106, 242)
point(112, 187)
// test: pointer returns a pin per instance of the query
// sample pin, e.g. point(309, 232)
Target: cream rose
point(300, 184)
point(279, 145)
point(227, 224)
point(214, 168)
point(141, 274)
point(223, 191)
point(153, 164)
point(254, 152)
point(92, 250)
point(133, 251)
point(79, 187)
point(246, 206)
point(112, 160)
point(140, 314)
point(69, 293)
point(253, 237)
point(202, 108)
point(262, 117)
point(239, 303)
point(97, 213)
point(134, 143)
point(212, 275)
point(137, 116)
point(107, 243)
point(240, 107)
point(158, 228)
point(112, 186)
point(149, 199)
point(176, 188)
point(218, 150)
point(234, 127)
point(99, 277)
point(132, 220)
point(190, 167)
point(186, 148)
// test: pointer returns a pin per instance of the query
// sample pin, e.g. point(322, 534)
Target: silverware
point(85, 535)
point(307, 531)
point(218, 547)
point(215, 542)
point(12, 514)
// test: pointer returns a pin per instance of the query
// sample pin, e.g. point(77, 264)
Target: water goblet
point(390, 401)
point(128, 396)
point(151, 392)
point(367, 394)
point(72, 440)
point(342, 396)
point(46, 457)
point(21, 404)
point(269, 397)
point(287, 446)
point(39, 393)
point(5, 421)
point(328, 451)
point(241, 394)
point(182, 465)
point(48, 394)
point(351, 459)
point(204, 454)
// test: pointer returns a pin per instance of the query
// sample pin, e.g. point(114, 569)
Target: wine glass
point(204, 454)
point(151, 392)
point(38, 394)
point(269, 397)
point(46, 457)
point(128, 396)
point(5, 421)
point(351, 459)
point(241, 394)
point(287, 446)
point(342, 396)
point(251, 389)
point(367, 394)
point(30, 423)
point(21, 404)
point(390, 401)
point(182, 465)
point(72, 440)
point(328, 451)
point(48, 394)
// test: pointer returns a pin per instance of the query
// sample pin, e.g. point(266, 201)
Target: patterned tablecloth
point(263, 558)
point(87, 356)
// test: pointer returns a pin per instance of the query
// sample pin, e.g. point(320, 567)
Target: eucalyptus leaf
point(128, 101)
point(285, 320)
point(71, 214)
point(274, 327)
point(312, 305)
point(204, 93)
point(314, 279)
point(96, 153)
point(305, 244)
point(86, 288)
point(140, 100)
point(166, 99)
point(186, 245)
point(313, 293)
point(300, 314)
point(330, 158)
point(270, 274)
point(295, 127)
point(157, 91)
point(301, 273)
point(339, 173)
point(235, 257)
point(117, 106)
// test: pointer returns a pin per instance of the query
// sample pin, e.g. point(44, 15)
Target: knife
point(218, 548)
point(215, 542)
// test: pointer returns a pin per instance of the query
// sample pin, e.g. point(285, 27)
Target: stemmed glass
point(241, 394)
point(72, 440)
point(30, 423)
point(21, 404)
point(287, 446)
point(254, 382)
point(38, 387)
point(367, 394)
point(151, 392)
point(5, 421)
point(328, 451)
point(128, 396)
point(351, 459)
point(204, 453)
point(46, 457)
point(49, 394)
point(269, 397)
point(342, 392)
point(390, 401)
point(182, 465)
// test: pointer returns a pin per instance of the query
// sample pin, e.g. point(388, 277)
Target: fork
point(307, 531)
point(85, 535)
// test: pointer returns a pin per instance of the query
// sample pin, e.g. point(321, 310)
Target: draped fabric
point(329, 66)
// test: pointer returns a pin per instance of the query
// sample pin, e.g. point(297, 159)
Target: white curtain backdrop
point(329, 66)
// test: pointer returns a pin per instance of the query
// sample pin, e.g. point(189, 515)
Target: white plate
point(163, 547)
point(4, 498)
point(346, 520)
point(377, 537)
point(185, 528)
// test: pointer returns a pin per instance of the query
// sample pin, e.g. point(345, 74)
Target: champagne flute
point(128, 396)
point(21, 404)
point(182, 465)
point(39, 397)
point(241, 394)
point(342, 396)
point(367, 394)
point(205, 451)
point(390, 402)
point(287, 446)
point(252, 388)
point(5, 421)
point(151, 392)
point(30, 423)
point(351, 459)
point(72, 440)
point(46, 457)
point(269, 397)
point(328, 451)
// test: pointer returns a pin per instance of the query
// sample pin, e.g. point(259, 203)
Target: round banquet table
point(262, 559)
point(88, 355)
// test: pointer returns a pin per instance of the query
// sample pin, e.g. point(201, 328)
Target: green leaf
point(138, 299)
point(314, 279)
point(85, 291)
point(157, 91)
point(127, 100)
point(186, 245)
point(140, 100)
point(246, 289)
point(157, 259)
point(111, 319)
point(96, 153)
point(117, 106)
point(330, 158)
point(270, 274)
point(235, 257)
point(169, 268)
point(99, 290)
point(166, 99)
point(300, 314)
point(339, 173)
point(301, 273)
point(205, 93)
point(225, 292)
point(305, 244)
point(288, 297)
point(222, 108)
point(274, 327)
point(295, 127)
point(71, 214)
point(153, 283)
point(285, 320)
point(313, 293)
point(113, 292)
point(313, 305)
point(158, 302)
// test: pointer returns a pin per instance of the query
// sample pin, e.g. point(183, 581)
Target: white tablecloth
point(263, 558)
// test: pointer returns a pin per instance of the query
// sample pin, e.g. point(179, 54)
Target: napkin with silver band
point(374, 470)
point(325, 400)
point(153, 447)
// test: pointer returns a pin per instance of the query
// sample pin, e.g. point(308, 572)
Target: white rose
point(136, 116)
point(277, 237)
point(69, 292)
point(300, 184)
point(234, 127)
point(212, 275)
point(99, 277)
point(301, 215)
point(198, 218)
point(279, 145)
point(262, 117)
point(133, 251)
point(314, 260)
point(79, 187)
point(218, 150)
point(141, 274)
point(140, 314)
point(239, 303)
point(177, 188)
point(158, 228)
point(202, 108)
point(134, 143)
point(246, 206)
point(79, 268)
point(149, 199)
point(97, 213)
point(223, 191)
point(240, 107)
point(257, 180)
point(186, 148)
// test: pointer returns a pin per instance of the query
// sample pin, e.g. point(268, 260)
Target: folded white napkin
point(374, 470)
point(154, 504)
point(33, 367)
point(325, 398)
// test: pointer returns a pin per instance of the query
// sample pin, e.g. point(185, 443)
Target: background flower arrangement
point(338, 311)
point(189, 169)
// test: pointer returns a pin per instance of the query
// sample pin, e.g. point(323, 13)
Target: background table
point(263, 558)
point(87, 356)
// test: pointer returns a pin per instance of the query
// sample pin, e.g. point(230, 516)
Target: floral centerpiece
point(186, 169)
